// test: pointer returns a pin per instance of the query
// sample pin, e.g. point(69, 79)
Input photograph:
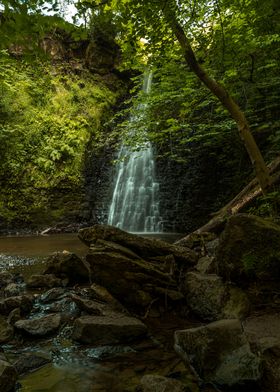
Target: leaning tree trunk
point(261, 170)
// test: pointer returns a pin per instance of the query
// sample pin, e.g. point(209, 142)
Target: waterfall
point(135, 202)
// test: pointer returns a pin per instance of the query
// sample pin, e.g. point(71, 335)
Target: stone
point(24, 302)
point(13, 289)
point(6, 331)
point(249, 250)
point(212, 246)
point(270, 355)
point(8, 376)
point(40, 281)
point(155, 383)
point(14, 316)
point(108, 246)
point(212, 299)
point(87, 305)
point(195, 240)
point(66, 307)
point(52, 295)
point(100, 293)
point(67, 264)
point(5, 278)
point(30, 362)
point(111, 329)
point(206, 265)
point(132, 282)
point(219, 352)
point(40, 326)
point(143, 247)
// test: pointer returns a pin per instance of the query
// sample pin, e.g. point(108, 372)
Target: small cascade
point(135, 201)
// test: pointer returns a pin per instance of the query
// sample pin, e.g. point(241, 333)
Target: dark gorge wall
point(190, 191)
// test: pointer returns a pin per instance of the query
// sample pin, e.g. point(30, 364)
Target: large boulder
point(23, 302)
point(133, 282)
point(269, 348)
point(40, 281)
point(143, 247)
point(219, 352)
point(68, 265)
point(30, 362)
point(212, 299)
point(105, 330)
point(249, 250)
point(6, 331)
point(8, 376)
point(155, 383)
point(40, 326)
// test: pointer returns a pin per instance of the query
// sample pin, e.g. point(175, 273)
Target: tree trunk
point(261, 170)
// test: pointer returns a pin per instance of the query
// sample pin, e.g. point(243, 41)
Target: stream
point(74, 367)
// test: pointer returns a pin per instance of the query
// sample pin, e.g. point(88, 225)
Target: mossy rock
point(249, 250)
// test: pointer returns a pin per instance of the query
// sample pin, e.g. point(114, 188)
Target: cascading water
point(135, 201)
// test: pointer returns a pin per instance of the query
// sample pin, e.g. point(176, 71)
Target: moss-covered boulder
point(212, 299)
point(249, 250)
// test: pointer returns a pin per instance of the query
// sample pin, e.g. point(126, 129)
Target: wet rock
point(6, 331)
point(24, 302)
point(219, 352)
point(206, 265)
point(270, 354)
point(112, 329)
point(52, 295)
point(14, 316)
point(66, 264)
point(102, 294)
point(196, 240)
point(212, 299)
point(91, 307)
point(39, 281)
point(40, 326)
point(108, 246)
point(5, 279)
point(249, 250)
point(66, 307)
point(212, 246)
point(30, 362)
point(143, 247)
point(154, 383)
point(8, 376)
point(130, 281)
point(13, 289)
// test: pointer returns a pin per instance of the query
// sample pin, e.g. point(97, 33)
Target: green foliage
point(47, 117)
point(267, 205)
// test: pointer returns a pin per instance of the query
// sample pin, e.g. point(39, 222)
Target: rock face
point(211, 299)
point(8, 376)
point(40, 326)
point(249, 250)
point(219, 352)
point(143, 247)
point(111, 329)
point(68, 265)
point(154, 383)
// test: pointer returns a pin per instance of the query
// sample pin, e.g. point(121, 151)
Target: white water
point(135, 202)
